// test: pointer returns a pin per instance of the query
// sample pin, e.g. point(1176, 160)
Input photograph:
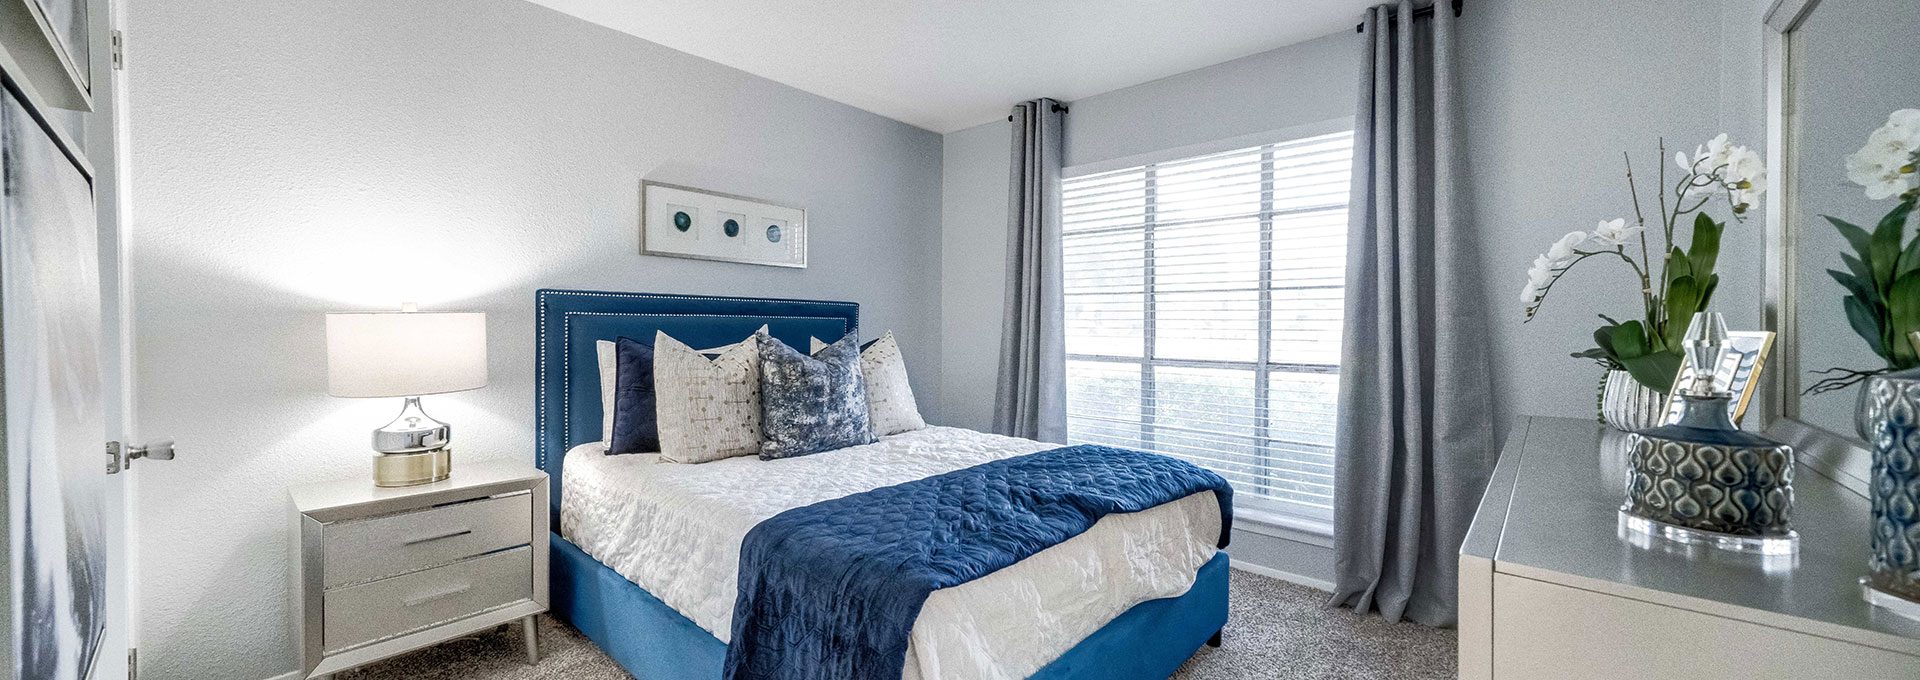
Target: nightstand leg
point(532, 634)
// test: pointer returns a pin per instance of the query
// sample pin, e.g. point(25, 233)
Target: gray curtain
point(1031, 398)
point(1414, 436)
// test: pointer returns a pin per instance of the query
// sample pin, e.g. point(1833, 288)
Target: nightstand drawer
point(389, 607)
point(364, 550)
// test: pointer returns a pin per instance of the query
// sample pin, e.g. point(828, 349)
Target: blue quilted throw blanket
point(830, 591)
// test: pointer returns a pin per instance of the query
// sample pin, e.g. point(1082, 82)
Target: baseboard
point(289, 675)
point(1269, 572)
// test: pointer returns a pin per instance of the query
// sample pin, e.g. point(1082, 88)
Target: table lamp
point(407, 354)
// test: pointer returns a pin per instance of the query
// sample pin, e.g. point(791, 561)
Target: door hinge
point(133, 663)
point(119, 50)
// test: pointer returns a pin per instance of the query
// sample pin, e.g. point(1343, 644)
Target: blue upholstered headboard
point(567, 373)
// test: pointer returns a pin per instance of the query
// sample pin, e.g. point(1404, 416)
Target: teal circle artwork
point(682, 221)
point(732, 227)
point(773, 233)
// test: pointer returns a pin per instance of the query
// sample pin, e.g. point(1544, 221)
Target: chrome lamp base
point(412, 449)
point(412, 469)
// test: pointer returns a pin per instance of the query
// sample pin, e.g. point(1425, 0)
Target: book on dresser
point(378, 572)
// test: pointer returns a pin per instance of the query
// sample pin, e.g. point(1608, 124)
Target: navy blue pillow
point(636, 428)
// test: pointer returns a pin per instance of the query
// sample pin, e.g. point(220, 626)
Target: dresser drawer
point(363, 550)
point(386, 608)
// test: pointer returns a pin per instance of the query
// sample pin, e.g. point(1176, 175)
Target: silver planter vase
point(1627, 405)
point(1890, 420)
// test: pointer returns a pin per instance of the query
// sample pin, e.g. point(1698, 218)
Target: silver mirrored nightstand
point(378, 572)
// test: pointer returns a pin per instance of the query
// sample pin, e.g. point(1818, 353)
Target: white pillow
point(609, 379)
point(890, 404)
point(708, 409)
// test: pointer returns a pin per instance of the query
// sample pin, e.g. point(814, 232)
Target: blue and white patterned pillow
point(810, 404)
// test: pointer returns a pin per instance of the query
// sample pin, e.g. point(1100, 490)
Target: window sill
point(1285, 527)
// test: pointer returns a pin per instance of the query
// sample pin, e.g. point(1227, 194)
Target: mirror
point(1837, 69)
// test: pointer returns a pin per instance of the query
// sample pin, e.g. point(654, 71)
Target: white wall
point(293, 158)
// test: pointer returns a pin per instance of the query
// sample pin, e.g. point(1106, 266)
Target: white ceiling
point(945, 65)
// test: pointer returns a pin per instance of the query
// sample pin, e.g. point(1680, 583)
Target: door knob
point(121, 456)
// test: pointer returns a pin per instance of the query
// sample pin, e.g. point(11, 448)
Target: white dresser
point(382, 571)
point(1552, 587)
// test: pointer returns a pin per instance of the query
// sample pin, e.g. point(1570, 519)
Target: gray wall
point(1296, 85)
point(1553, 91)
point(294, 158)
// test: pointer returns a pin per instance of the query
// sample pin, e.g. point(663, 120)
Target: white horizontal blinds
point(1203, 301)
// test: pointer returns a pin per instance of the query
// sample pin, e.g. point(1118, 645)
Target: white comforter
point(675, 530)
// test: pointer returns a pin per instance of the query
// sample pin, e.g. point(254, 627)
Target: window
point(1203, 305)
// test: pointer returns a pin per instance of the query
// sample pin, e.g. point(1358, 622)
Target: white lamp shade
point(405, 354)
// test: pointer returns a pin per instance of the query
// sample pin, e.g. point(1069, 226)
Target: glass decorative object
point(1891, 423)
point(1700, 479)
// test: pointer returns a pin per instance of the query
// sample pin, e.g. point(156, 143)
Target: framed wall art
point(682, 221)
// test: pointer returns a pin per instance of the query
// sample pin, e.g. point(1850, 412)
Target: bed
point(644, 554)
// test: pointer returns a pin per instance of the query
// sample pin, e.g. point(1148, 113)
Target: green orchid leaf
point(1883, 253)
point(1706, 292)
point(1904, 313)
point(1855, 236)
point(1604, 338)
point(1684, 297)
point(1859, 269)
point(1656, 371)
point(1856, 288)
point(1626, 340)
point(1705, 250)
point(1865, 324)
point(1677, 266)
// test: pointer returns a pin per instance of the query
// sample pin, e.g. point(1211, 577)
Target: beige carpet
point(1274, 630)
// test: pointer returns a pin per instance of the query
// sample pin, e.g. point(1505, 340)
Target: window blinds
point(1203, 305)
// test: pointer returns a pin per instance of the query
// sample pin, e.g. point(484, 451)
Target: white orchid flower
point(1614, 233)
point(1885, 166)
point(1563, 249)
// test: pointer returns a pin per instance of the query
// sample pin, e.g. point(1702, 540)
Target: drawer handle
point(418, 600)
point(436, 537)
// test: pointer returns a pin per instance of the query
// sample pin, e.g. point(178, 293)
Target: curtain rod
point(1421, 12)
point(1057, 108)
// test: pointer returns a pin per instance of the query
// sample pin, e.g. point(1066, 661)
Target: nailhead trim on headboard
point(542, 312)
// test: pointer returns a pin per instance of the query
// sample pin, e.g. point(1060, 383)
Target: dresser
point(378, 572)
point(1552, 586)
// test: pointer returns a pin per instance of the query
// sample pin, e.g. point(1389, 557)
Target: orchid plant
point(1649, 347)
point(1882, 276)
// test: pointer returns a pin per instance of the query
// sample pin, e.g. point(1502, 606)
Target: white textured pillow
point(609, 368)
point(609, 378)
point(890, 404)
point(708, 409)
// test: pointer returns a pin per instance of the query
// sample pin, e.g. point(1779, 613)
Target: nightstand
point(382, 571)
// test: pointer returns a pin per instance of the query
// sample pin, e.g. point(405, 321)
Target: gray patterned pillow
point(810, 404)
point(889, 398)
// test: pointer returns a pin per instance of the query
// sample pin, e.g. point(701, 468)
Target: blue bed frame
point(653, 641)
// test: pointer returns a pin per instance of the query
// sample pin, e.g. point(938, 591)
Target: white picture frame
point(680, 221)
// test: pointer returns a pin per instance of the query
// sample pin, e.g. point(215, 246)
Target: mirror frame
point(1837, 455)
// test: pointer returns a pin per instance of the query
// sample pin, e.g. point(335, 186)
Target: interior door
point(65, 547)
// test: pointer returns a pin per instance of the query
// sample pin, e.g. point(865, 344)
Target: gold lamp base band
point(412, 469)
